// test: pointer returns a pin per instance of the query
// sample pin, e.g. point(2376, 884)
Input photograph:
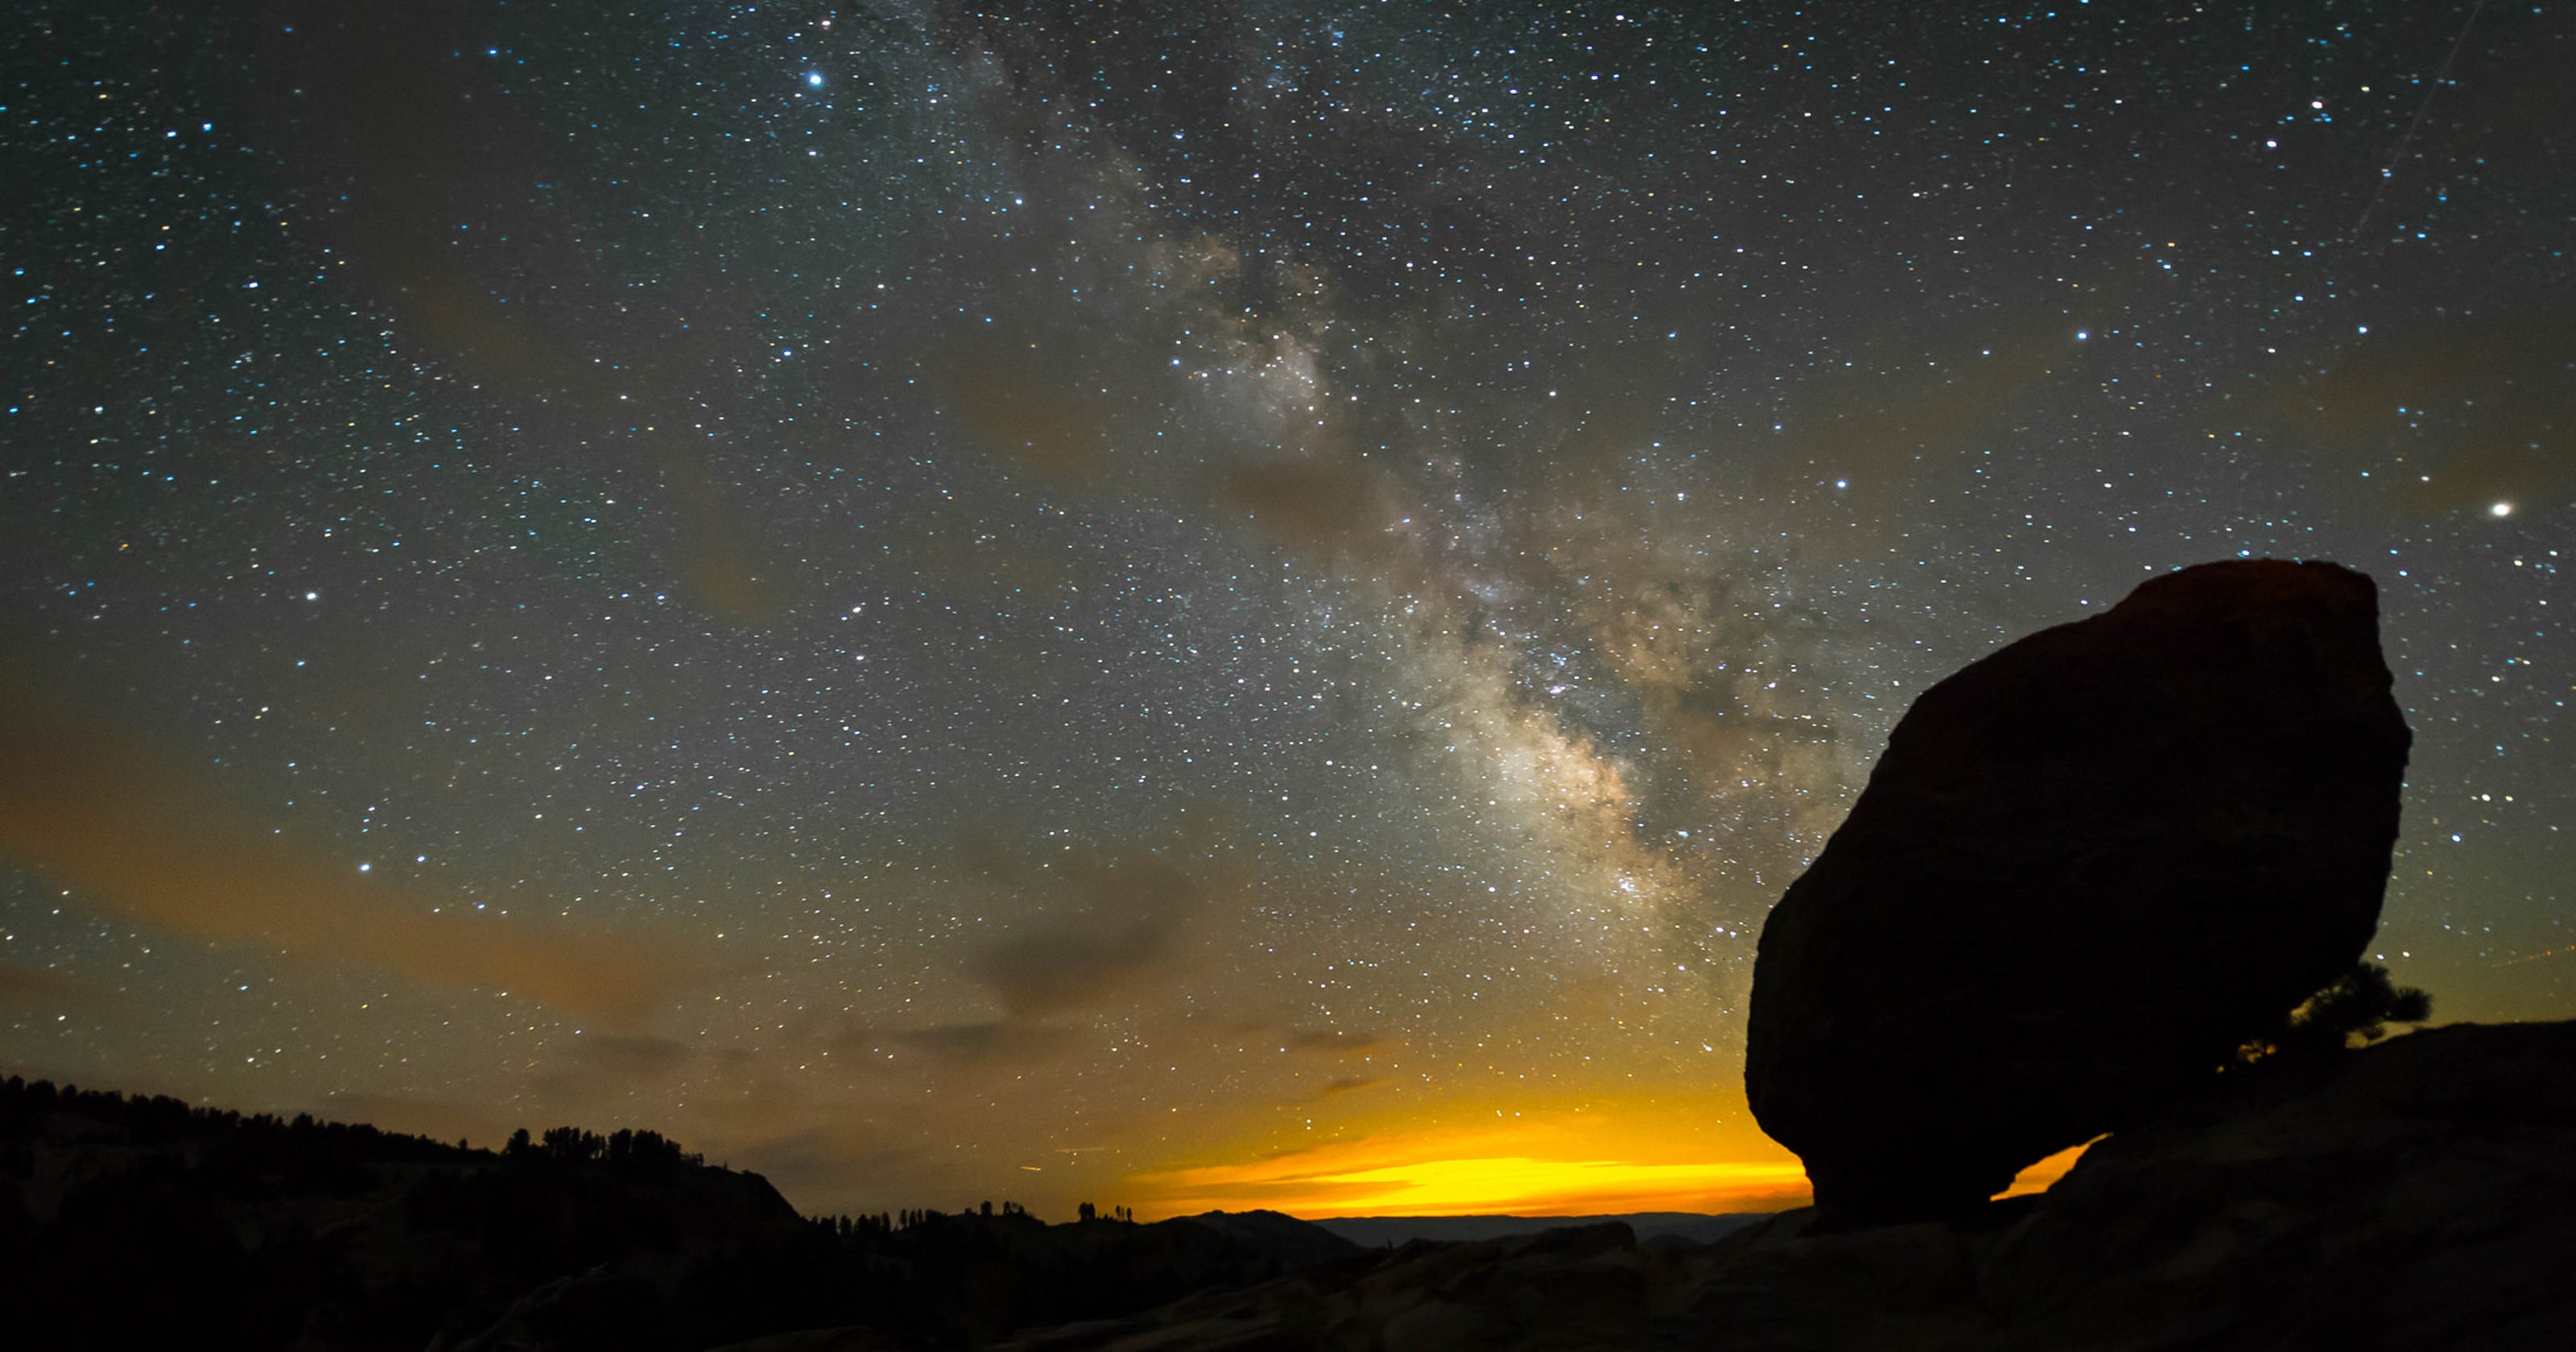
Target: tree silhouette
point(2354, 1011)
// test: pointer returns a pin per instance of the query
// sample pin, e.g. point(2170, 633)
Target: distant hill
point(1280, 1239)
point(1378, 1232)
point(145, 1221)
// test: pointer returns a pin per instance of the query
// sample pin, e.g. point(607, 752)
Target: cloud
point(1335, 510)
point(1858, 451)
point(152, 842)
point(1113, 923)
point(598, 1068)
point(1332, 1043)
point(30, 987)
point(999, 1042)
point(352, 133)
point(824, 1160)
point(1026, 397)
point(634, 1057)
point(1099, 928)
point(2454, 415)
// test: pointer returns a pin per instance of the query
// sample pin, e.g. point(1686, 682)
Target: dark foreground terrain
point(2418, 1195)
point(133, 1222)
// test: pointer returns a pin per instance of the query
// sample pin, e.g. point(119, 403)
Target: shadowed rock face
point(2086, 869)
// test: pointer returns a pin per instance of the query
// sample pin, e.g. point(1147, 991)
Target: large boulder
point(2087, 868)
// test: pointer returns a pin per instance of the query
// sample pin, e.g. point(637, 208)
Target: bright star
point(815, 79)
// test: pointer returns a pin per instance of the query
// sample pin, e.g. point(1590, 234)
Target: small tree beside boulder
point(2355, 1011)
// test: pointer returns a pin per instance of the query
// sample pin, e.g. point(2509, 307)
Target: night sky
point(1186, 605)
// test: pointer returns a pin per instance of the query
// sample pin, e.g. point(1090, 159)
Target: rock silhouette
point(2086, 868)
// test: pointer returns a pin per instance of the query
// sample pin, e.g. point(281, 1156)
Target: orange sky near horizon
point(1695, 1153)
point(1354, 1182)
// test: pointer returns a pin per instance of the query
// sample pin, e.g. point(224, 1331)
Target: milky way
point(1184, 604)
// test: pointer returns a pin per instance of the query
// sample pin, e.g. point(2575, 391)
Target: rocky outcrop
point(2419, 1195)
point(2086, 868)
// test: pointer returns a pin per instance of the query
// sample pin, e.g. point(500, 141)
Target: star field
point(1183, 605)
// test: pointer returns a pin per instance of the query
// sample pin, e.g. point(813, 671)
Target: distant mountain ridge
point(1377, 1232)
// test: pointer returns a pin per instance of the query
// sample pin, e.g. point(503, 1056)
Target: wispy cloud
point(1332, 1043)
point(142, 837)
point(1110, 921)
point(634, 1057)
point(29, 987)
point(1000, 1041)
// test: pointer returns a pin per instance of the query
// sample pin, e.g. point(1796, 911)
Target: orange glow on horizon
point(1698, 1153)
point(1653, 1157)
point(1493, 1185)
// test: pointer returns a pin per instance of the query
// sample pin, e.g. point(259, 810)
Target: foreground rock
point(2085, 870)
point(2418, 1195)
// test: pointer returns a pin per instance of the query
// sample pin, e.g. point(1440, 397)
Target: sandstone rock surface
point(2086, 868)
